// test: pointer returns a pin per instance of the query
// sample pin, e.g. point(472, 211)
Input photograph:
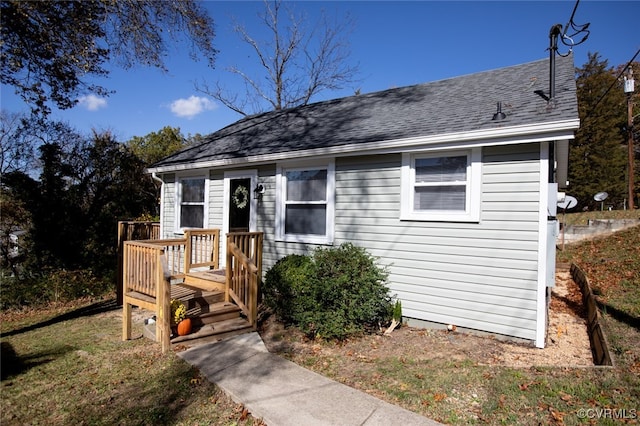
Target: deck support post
point(163, 324)
point(126, 321)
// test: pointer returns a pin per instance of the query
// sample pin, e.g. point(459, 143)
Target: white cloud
point(191, 106)
point(92, 102)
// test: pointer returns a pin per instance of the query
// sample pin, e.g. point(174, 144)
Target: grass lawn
point(69, 366)
point(66, 366)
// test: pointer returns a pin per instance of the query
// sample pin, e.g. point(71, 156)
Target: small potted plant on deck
point(179, 318)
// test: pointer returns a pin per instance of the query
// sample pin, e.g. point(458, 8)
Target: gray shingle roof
point(459, 104)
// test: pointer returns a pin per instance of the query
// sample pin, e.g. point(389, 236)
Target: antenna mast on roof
point(553, 48)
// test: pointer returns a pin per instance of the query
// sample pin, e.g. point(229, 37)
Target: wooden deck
point(220, 302)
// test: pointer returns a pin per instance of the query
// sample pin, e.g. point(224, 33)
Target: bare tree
point(22, 135)
point(297, 63)
point(16, 147)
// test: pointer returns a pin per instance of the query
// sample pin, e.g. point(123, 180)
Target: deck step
point(214, 332)
point(214, 312)
point(185, 292)
point(213, 279)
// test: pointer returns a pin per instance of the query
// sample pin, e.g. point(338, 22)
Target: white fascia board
point(542, 132)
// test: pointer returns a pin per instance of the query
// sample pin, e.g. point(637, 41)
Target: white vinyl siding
point(481, 275)
point(168, 207)
point(215, 204)
point(477, 275)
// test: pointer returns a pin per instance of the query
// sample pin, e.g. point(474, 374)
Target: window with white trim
point(305, 203)
point(442, 186)
point(191, 202)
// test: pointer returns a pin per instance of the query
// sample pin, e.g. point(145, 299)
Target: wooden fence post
point(121, 236)
point(163, 299)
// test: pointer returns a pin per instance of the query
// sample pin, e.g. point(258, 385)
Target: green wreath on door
point(240, 197)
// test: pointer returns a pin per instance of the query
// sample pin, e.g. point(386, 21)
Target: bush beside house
point(333, 293)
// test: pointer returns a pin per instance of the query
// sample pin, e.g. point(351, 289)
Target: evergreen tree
point(597, 159)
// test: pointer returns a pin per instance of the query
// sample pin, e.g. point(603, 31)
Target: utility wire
point(577, 28)
point(611, 86)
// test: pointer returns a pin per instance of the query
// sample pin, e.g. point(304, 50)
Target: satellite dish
point(568, 203)
point(600, 196)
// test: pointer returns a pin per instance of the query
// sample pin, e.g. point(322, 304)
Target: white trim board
point(543, 132)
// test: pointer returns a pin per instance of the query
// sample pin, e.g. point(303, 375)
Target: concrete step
point(214, 332)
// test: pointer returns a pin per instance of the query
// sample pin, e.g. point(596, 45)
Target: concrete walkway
point(282, 393)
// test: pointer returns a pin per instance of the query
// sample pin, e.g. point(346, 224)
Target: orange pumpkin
point(184, 327)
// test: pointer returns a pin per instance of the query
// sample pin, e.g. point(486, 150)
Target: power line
point(577, 30)
point(612, 84)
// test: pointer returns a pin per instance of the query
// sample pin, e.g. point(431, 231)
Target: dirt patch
point(567, 340)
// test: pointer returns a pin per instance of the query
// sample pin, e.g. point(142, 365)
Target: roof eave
point(539, 132)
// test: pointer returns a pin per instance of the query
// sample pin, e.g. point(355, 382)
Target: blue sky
point(394, 43)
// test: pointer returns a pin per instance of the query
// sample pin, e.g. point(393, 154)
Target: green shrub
point(286, 281)
point(335, 293)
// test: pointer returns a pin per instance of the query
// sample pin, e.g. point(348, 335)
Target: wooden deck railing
point(146, 283)
point(150, 266)
point(202, 249)
point(128, 231)
point(174, 250)
point(244, 271)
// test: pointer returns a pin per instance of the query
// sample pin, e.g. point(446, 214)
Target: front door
point(239, 204)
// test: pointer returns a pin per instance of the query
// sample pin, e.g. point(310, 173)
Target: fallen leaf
point(439, 396)
point(244, 415)
point(501, 400)
point(565, 397)
point(558, 416)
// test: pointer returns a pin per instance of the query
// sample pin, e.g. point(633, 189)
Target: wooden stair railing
point(244, 271)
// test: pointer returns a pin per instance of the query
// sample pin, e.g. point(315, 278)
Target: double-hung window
point(443, 186)
point(191, 202)
point(305, 203)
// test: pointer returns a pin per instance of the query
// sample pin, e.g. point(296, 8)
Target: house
point(449, 183)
